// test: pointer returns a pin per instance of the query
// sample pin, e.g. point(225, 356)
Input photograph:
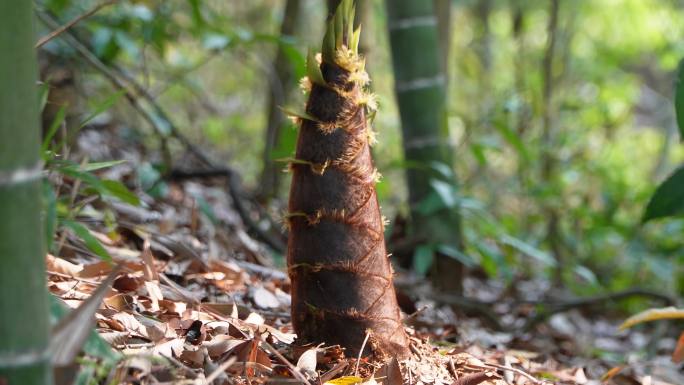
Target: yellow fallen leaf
point(346, 380)
point(611, 373)
point(653, 315)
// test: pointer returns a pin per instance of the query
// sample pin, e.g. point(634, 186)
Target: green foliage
point(668, 199)
point(204, 62)
point(679, 99)
point(92, 243)
point(340, 31)
point(313, 69)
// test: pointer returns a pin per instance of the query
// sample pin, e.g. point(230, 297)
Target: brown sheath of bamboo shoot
point(342, 279)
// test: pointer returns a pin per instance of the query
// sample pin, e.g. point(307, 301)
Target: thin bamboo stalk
point(420, 86)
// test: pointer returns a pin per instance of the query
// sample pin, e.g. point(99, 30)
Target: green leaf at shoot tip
point(298, 114)
point(313, 70)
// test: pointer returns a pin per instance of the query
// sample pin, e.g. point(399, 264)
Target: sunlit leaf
point(89, 167)
point(356, 36)
point(313, 70)
point(346, 380)
point(446, 192)
point(119, 190)
point(443, 169)
point(586, 274)
point(653, 315)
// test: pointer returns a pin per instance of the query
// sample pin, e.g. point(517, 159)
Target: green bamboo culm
point(420, 86)
point(24, 322)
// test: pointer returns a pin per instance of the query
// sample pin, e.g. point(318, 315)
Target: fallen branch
point(559, 307)
point(548, 308)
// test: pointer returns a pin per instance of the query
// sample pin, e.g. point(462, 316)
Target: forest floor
point(199, 300)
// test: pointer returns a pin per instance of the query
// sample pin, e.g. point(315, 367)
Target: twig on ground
point(72, 22)
point(452, 369)
point(559, 307)
point(62, 275)
point(472, 379)
point(218, 371)
point(550, 308)
point(186, 369)
point(358, 359)
point(518, 371)
point(416, 313)
point(329, 375)
point(294, 369)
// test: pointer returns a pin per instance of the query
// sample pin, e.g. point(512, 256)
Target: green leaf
point(443, 169)
point(423, 257)
point(90, 241)
point(451, 251)
point(103, 187)
point(287, 140)
point(102, 107)
point(43, 92)
point(492, 261)
point(339, 26)
point(52, 130)
point(50, 199)
point(296, 59)
point(668, 199)
point(356, 36)
point(298, 114)
point(586, 274)
point(206, 209)
point(85, 376)
point(328, 47)
point(349, 33)
point(119, 190)
point(89, 167)
point(446, 192)
point(679, 99)
point(513, 139)
point(313, 70)
point(528, 250)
